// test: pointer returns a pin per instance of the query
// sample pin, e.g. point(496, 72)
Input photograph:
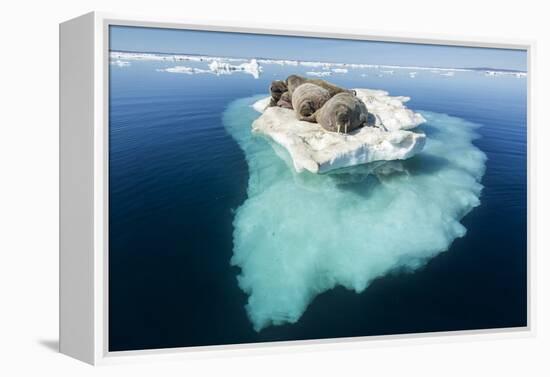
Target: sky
point(225, 44)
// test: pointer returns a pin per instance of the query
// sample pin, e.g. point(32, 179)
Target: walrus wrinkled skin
point(294, 81)
point(307, 99)
point(277, 88)
point(342, 113)
point(285, 101)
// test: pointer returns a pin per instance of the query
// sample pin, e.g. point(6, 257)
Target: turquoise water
point(299, 235)
point(215, 240)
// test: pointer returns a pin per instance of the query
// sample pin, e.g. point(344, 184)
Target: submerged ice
point(300, 234)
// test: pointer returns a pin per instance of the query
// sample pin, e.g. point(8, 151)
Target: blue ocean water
point(176, 178)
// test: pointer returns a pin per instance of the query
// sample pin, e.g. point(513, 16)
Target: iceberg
point(340, 70)
point(183, 69)
point(278, 62)
point(319, 73)
point(221, 68)
point(218, 67)
point(316, 150)
point(516, 74)
point(298, 235)
point(323, 65)
point(120, 63)
point(146, 56)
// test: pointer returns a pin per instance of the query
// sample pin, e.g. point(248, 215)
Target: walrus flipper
point(312, 118)
point(285, 101)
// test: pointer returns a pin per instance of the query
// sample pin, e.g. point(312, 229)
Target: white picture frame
point(84, 65)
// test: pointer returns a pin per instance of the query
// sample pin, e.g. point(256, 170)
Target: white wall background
point(29, 185)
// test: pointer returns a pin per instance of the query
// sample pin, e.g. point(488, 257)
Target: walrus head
point(342, 115)
point(277, 88)
point(294, 81)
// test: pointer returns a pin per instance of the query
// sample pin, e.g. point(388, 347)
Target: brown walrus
point(285, 101)
point(342, 113)
point(294, 81)
point(308, 98)
point(277, 88)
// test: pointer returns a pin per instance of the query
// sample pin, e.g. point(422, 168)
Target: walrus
point(308, 98)
point(294, 81)
point(277, 88)
point(343, 112)
point(285, 101)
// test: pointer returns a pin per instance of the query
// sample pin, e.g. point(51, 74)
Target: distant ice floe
point(219, 68)
point(120, 63)
point(505, 73)
point(183, 69)
point(319, 73)
point(340, 70)
point(322, 65)
point(229, 65)
point(122, 55)
point(278, 62)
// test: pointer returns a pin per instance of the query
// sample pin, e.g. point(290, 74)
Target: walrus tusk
point(381, 123)
point(342, 109)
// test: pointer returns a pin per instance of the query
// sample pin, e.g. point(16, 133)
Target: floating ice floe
point(297, 236)
point(222, 68)
point(506, 73)
point(339, 70)
point(316, 150)
point(319, 73)
point(219, 68)
point(323, 65)
point(184, 70)
point(278, 62)
point(145, 56)
point(120, 63)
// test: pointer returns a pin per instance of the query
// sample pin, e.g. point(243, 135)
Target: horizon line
point(324, 62)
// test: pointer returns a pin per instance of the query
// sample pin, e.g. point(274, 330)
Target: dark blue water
point(176, 177)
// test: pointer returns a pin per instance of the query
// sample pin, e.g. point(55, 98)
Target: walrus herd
point(314, 100)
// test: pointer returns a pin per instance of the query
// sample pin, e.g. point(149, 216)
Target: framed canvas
point(235, 188)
